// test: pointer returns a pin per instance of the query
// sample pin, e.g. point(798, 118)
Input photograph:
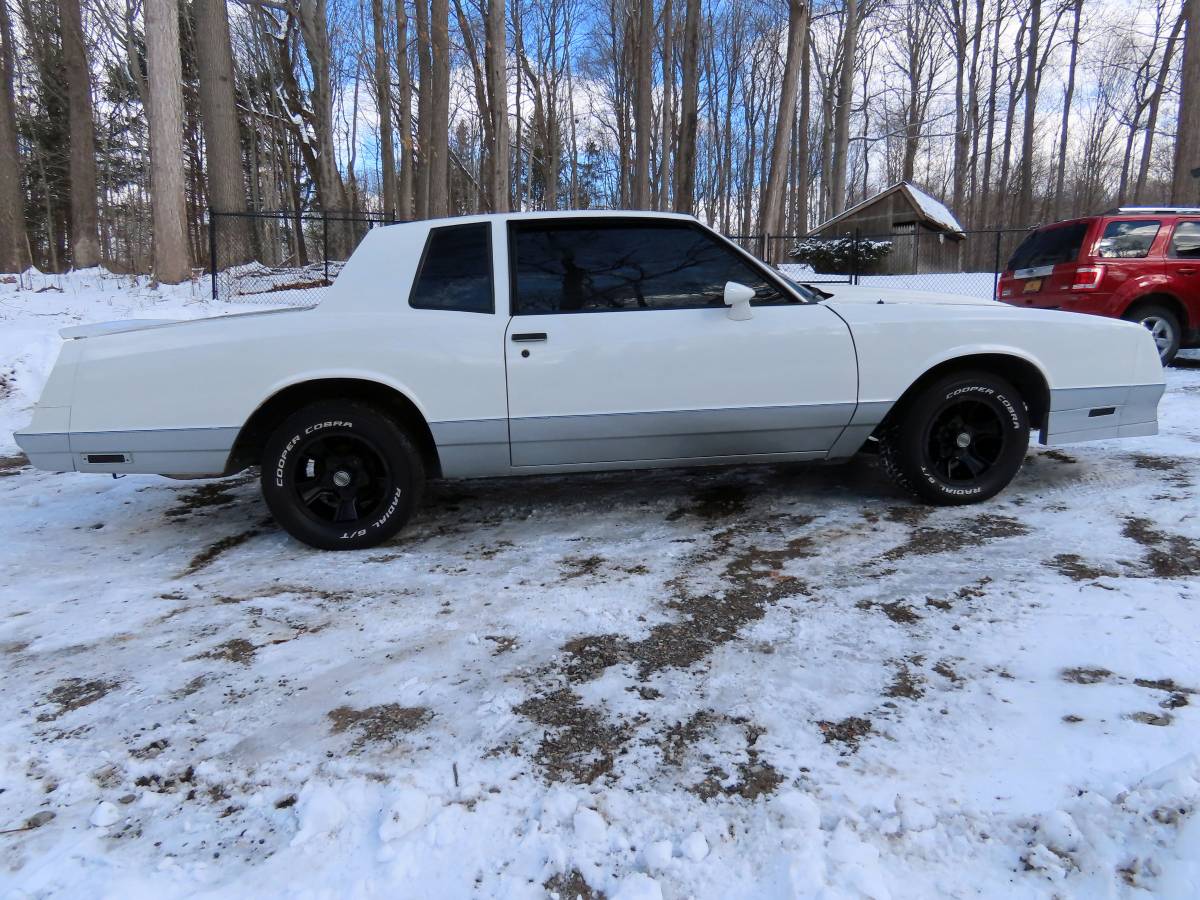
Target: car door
point(1182, 265)
point(620, 349)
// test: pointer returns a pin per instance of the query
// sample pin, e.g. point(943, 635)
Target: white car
point(568, 342)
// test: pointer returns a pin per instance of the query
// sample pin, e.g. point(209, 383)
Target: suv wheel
point(960, 440)
point(341, 475)
point(1162, 325)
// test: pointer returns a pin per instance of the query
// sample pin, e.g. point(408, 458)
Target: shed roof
point(932, 212)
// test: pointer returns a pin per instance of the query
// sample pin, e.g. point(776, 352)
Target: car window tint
point(1049, 246)
point(456, 270)
point(1127, 240)
point(596, 266)
point(1185, 242)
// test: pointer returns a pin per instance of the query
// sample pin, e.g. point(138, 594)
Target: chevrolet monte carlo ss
point(567, 342)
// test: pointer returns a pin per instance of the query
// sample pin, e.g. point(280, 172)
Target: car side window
point(603, 266)
point(1185, 242)
point(1127, 239)
point(456, 270)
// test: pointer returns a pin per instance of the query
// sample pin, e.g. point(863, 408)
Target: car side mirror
point(737, 298)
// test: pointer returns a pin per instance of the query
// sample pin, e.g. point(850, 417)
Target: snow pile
point(768, 682)
point(933, 209)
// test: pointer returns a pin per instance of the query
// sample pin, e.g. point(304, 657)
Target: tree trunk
point(383, 103)
point(222, 137)
point(1185, 186)
point(14, 239)
point(770, 218)
point(85, 236)
point(1068, 97)
point(168, 203)
point(839, 164)
point(404, 208)
point(496, 57)
point(643, 104)
point(425, 93)
point(685, 154)
point(1025, 201)
point(1160, 84)
point(439, 120)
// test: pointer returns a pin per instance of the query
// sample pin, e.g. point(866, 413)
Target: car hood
point(857, 293)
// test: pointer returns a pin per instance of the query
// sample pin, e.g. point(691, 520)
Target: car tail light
point(1087, 278)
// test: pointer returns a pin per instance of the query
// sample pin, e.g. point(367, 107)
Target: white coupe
point(568, 342)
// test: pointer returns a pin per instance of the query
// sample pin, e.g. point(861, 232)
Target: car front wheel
point(341, 475)
point(1163, 327)
point(960, 440)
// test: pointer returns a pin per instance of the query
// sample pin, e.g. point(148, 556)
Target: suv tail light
point(1087, 278)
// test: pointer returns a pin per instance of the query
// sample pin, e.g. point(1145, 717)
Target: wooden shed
point(924, 234)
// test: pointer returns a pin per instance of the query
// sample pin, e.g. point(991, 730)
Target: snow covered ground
point(757, 682)
point(973, 284)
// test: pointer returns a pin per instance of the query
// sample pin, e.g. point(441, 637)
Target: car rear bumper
point(169, 451)
point(1095, 414)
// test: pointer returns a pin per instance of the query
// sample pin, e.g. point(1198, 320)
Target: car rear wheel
point(960, 440)
point(1163, 327)
point(341, 475)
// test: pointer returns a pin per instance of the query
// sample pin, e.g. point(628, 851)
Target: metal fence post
point(212, 249)
point(854, 274)
point(996, 267)
point(325, 241)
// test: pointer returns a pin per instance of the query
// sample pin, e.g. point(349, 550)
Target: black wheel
point(341, 475)
point(1162, 325)
point(960, 440)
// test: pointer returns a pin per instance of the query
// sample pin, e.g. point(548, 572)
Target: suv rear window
point(1049, 247)
point(1127, 239)
point(1185, 242)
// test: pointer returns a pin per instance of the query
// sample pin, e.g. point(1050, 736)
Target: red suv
point(1141, 264)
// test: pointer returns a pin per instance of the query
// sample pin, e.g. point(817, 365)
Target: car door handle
point(1188, 271)
point(529, 336)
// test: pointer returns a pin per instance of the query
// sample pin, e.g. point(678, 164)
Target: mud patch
point(579, 745)
point(237, 650)
point(572, 886)
point(906, 684)
point(1085, 675)
point(211, 495)
point(897, 610)
point(1073, 566)
point(1058, 456)
point(580, 566)
point(209, 554)
point(383, 724)
point(75, 693)
point(907, 515)
point(752, 777)
point(588, 656)
point(502, 643)
point(1166, 555)
point(969, 533)
point(849, 732)
point(720, 501)
point(11, 465)
point(1160, 720)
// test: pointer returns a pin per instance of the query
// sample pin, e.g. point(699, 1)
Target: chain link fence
point(291, 259)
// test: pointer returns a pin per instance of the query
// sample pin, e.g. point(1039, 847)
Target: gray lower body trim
point(1094, 414)
point(621, 465)
point(866, 419)
point(166, 451)
point(708, 434)
point(472, 447)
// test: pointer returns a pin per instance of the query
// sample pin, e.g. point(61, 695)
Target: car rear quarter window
point(1185, 242)
point(1049, 247)
point(607, 266)
point(1127, 239)
point(456, 270)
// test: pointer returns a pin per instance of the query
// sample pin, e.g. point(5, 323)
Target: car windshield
point(1049, 247)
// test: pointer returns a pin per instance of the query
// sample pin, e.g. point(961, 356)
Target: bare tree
point(1068, 99)
point(771, 205)
point(685, 155)
point(85, 237)
point(439, 119)
point(163, 68)
point(1185, 185)
point(643, 103)
point(839, 160)
point(14, 241)
point(383, 102)
point(495, 54)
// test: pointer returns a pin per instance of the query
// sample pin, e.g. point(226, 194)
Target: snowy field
point(755, 682)
point(972, 284)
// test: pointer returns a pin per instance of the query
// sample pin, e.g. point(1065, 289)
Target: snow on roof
point(934, 211)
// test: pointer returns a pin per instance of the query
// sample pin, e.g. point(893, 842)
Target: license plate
point(1032, 286)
